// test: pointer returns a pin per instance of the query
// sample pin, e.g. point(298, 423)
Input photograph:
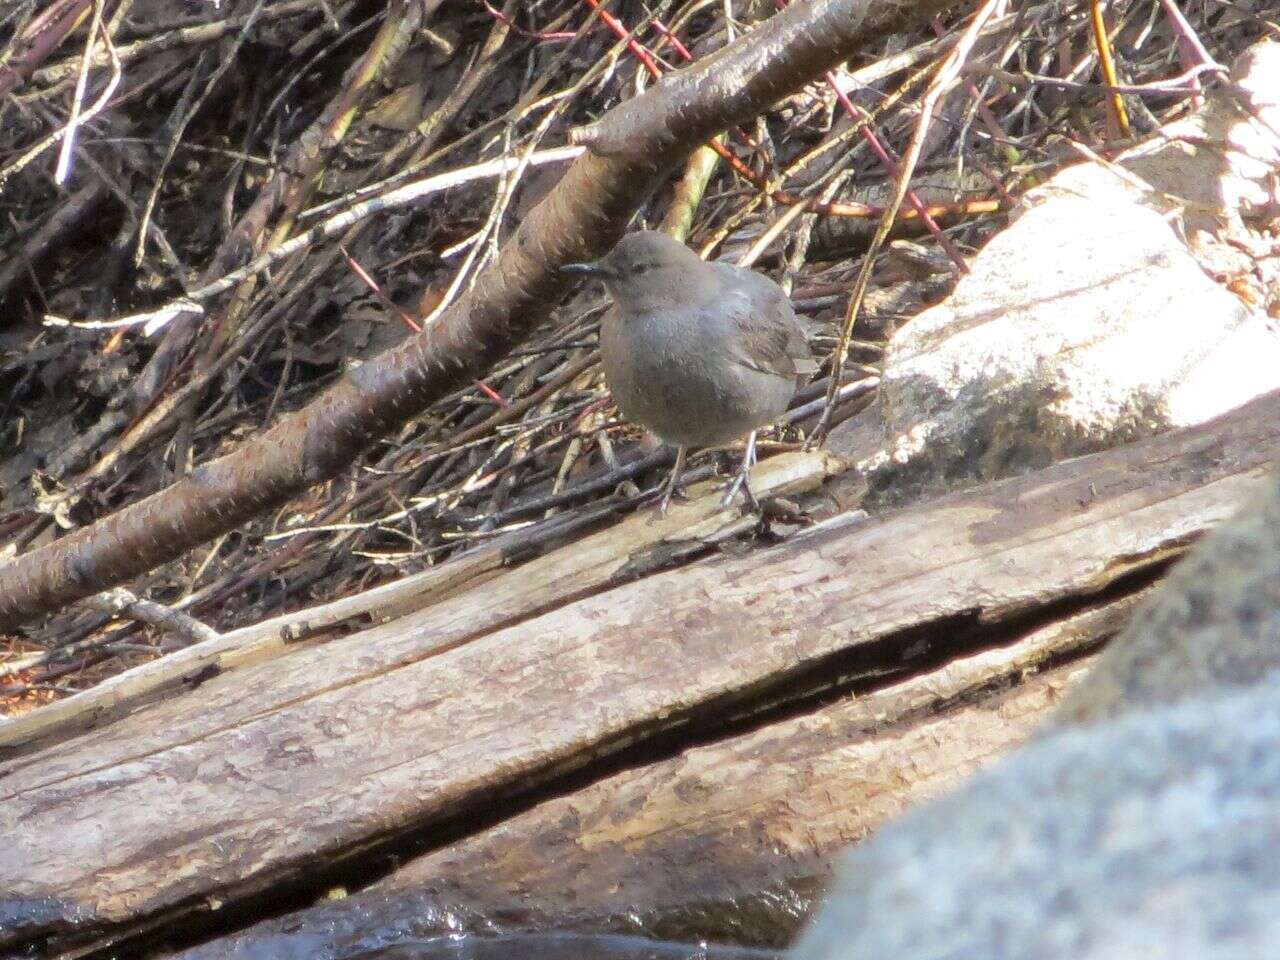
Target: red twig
point(672, 39)
point(894, 170)
point(409, 321)
point(890, 165)
point(860, 210)
point(622, 33)
point(548, 35)
point(491, 393)
point(376, 290)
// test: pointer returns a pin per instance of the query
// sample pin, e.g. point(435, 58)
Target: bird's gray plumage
point(700, 353)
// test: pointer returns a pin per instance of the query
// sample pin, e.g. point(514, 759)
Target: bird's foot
point(673, 483)
point(675, 492)
point(743, 483)
point(742, 480)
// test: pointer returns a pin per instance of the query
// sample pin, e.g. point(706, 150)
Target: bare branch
point(632, 151)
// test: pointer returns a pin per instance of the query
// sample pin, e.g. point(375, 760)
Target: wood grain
point(255, 776)
point(735, 835)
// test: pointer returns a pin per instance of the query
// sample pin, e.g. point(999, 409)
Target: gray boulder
point(1215, 622)
point(1156, 835)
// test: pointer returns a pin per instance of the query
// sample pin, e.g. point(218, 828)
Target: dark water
point(423, 924)
point(561, 946)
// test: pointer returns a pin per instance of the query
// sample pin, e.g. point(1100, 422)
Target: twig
point(1108, 66)
point(153, 320)
point(98, 105)
point(63, 169)
point(947, 72)
point(118, 601)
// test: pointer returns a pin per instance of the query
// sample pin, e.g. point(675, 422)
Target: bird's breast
point(668, 374)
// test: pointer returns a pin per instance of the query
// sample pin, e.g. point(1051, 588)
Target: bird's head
point(642, 268)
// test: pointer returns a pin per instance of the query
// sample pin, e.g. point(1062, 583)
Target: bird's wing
point(772, 340)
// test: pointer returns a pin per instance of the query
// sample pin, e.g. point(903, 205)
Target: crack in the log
point(893, 659)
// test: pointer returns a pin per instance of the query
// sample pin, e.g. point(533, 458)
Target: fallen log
point(735, 836)
point(257, 776)
point(624, 550)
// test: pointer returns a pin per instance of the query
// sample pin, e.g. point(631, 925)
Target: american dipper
point(700, 353)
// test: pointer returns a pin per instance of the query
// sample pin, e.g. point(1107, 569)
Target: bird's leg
point(672, 482)
point(741, 480)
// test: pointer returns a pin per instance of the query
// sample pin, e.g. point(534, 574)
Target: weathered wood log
point(251, 779)
point(736, 835)
point(625, 550)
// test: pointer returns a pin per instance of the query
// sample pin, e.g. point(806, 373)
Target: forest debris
point(578, 220)
point(1086, 323)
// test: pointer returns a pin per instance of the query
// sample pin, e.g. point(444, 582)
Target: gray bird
point(700, 353)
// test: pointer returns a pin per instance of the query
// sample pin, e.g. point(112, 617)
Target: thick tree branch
point(632, 149)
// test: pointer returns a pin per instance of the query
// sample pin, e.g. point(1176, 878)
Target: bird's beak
point(596, 269)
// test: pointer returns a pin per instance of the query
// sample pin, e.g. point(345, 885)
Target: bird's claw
point(677, 492)
point(740, 482)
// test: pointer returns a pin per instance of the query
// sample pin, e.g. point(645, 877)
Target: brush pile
point(242, 156)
